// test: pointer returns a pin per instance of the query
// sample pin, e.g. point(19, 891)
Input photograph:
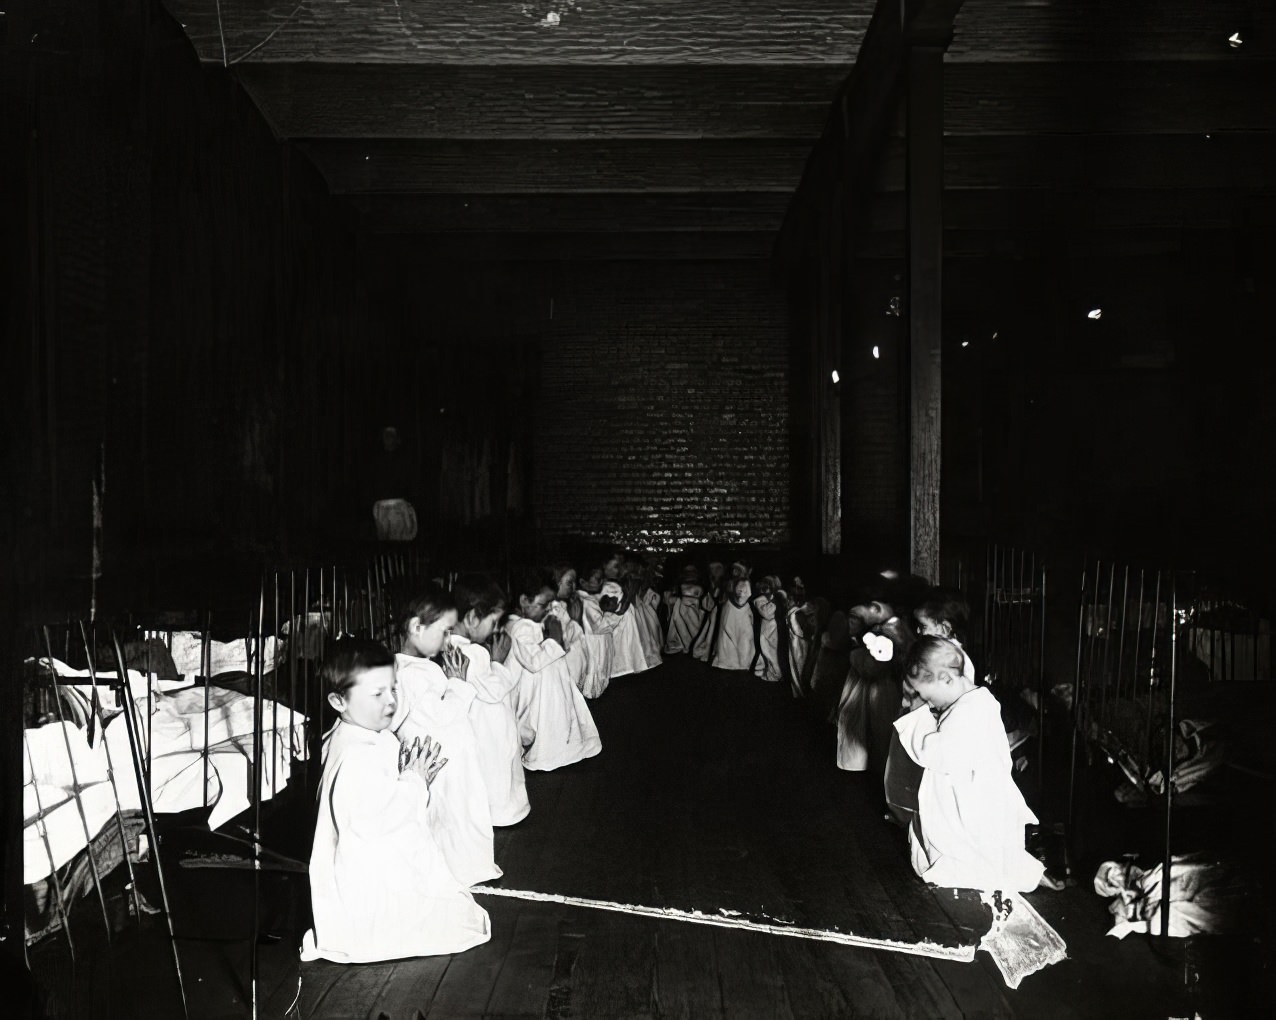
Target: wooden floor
point(713, 792)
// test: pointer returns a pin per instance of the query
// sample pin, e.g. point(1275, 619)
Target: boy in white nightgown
point(621, 620)
point(598, 640)
point(737, 647)
point(480, 604)
point(767, 663)
point(685, 612)
point(436, 702)
point(969, 828)
point(711, 606)
point(379, 885)
point(546, 659)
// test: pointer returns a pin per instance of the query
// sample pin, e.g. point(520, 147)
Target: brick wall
point(663, 414)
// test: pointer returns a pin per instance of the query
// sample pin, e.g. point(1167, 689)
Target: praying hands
point(422, 757)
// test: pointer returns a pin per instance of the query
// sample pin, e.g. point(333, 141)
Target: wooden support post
point(925, 298)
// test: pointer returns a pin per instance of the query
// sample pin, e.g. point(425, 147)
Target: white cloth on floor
point(685, 617)
point(627, 655)
point(598, 642)
point(1206, 896)
point(432, 704)
point(970, 814)
point(646, 612)
point(554, 722)
point(736, 646)
point(380, 887)
point(494, 716)
point(767, 663)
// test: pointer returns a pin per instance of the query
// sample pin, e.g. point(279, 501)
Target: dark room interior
point(865, 294)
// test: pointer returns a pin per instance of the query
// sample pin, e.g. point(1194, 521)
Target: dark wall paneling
point(536, 101)
point(471, 167)
point(198, 325)
point(620, 31)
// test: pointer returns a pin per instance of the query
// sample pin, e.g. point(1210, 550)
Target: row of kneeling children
point(428, 755)
point(893, 674)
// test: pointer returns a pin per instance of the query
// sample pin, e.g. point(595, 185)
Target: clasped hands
point(422, 757)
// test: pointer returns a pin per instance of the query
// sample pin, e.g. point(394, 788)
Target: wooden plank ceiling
point(680, 128)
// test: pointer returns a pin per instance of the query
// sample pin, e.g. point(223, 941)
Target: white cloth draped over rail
point(970, 814)
point(380, 887)
point(432, 704)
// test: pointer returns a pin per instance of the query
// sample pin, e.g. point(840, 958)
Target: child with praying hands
point(969, 829)
point(380, 886)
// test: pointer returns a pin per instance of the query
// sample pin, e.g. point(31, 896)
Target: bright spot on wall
point(1095, 313)
point(876, 352)
point(965, 343)
point(836, 377)
point(1234, 40)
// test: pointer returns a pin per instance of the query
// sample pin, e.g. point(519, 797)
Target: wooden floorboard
point(471, 976)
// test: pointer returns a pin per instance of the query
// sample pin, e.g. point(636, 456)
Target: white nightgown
point(707, 640)
point(434, 705)
point(598, 653)
point(554, 722)
point(767, 663)
point(685, 617)
point(493, 714)
point(737, 646)
point(969, 829)
point(799, 649)
point(627, 655)
point(645, 608)
point(380, 888)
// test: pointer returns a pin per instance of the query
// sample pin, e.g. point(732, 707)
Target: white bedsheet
point(54, 831)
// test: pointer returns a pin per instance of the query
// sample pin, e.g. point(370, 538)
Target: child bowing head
point(935, 672)
point(360, 683)
point(943, 613)
point(425, 622)
point(480, 604)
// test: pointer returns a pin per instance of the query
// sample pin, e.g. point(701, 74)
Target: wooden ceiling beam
point(1097, 162)
point(993, 30)
point(436, 32)
point(517, 167)
point(450, 101)
point(540, 247)
point(1034, 209)
point(1152, 97)
point(571, 213)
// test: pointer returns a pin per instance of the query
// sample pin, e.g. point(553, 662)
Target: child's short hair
point(350, 657)
point(427, 606)
point(531, 581)
point(478, 592)
point(927, 650)
point(946, 605)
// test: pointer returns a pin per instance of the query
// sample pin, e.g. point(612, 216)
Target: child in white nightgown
point(969, 828)
point(380, 888)
point(480, 604)
point(436, 700)
point(737, 646)
point(767, 605)
point(621, 621)
point(598, 641)
point(546, 656)
point(685, 612)
point(711, 608)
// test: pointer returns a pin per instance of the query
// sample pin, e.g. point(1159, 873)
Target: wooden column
point(925, 301)
point(828, 326)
